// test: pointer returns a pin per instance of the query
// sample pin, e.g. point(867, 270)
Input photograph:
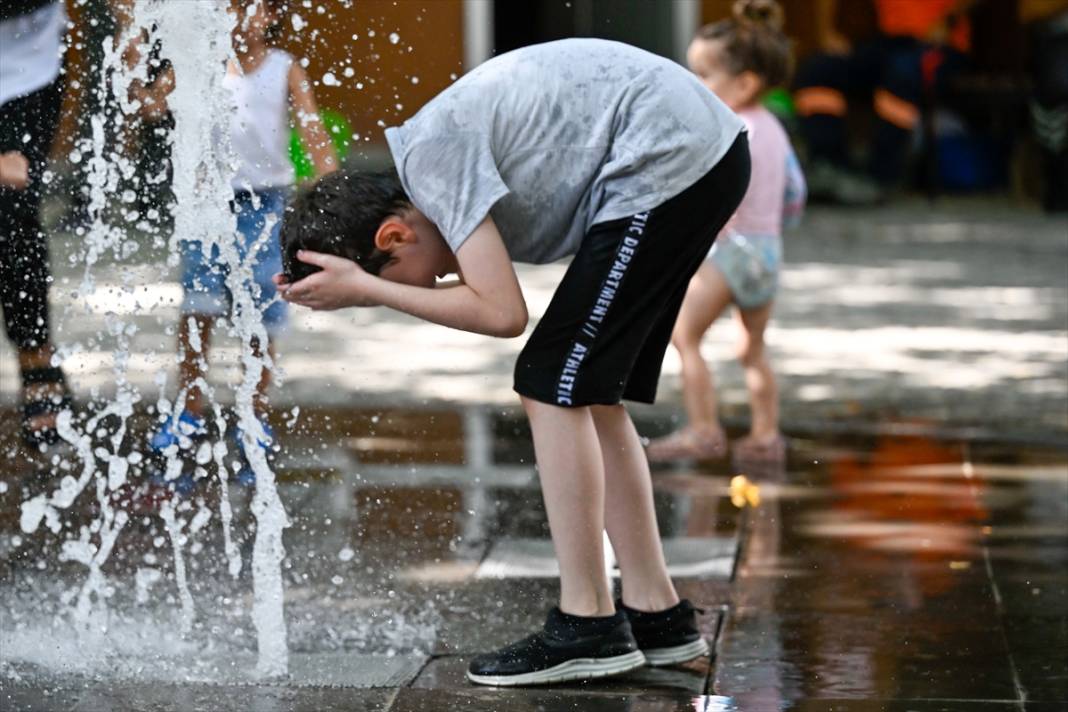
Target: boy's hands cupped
point(340, 283)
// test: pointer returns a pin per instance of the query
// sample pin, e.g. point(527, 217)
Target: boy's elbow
point(511, 325)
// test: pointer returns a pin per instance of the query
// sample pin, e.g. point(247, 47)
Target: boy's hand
point(341, 283)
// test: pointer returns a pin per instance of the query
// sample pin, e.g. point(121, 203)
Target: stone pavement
point(892, 572)
point(952, 315)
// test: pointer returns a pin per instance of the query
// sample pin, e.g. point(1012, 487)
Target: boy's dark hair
point(339, 214)
point(753, 41)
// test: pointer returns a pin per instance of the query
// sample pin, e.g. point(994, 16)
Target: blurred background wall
point(386, 58)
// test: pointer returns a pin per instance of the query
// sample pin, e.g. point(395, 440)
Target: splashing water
point(199, 35)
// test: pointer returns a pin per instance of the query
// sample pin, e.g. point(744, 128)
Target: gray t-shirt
point(555, 138)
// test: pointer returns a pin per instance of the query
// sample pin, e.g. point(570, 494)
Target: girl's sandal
point(44, 396)
point(748, 449)
point(686, 444)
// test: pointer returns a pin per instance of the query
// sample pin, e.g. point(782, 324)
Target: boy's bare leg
point(629, 513)
point(573, 484)
point(191, 367)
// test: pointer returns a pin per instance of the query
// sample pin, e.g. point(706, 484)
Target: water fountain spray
point(197, 35)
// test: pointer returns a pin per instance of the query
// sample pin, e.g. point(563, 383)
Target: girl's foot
point(770, 449)
point(688, 444)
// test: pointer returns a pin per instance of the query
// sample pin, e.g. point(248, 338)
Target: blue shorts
point(204, 278)
point(750, 265)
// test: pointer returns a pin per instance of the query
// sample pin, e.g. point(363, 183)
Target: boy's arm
point(309, 124)
point(487, 301)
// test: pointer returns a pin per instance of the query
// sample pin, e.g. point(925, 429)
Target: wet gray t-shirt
point(555, 138)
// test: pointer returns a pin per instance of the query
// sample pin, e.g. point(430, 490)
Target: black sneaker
point(567, 648)
point(667, 637)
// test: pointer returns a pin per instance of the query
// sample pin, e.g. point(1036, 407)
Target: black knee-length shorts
point(604, 335)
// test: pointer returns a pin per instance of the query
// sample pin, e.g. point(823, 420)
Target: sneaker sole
point(658, 657)
point(577, 669)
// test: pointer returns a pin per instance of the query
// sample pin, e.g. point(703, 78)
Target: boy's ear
point(393, 233)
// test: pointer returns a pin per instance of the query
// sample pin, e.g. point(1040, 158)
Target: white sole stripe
point(674, 655)
point(577, 669)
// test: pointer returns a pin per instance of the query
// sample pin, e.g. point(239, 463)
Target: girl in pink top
point(739, 59)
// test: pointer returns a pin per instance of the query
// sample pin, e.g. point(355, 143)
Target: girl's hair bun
point(765, 13)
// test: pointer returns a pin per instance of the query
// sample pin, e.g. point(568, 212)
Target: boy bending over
point(579, 147)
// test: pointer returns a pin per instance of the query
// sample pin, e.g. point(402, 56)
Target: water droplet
point(394, 38)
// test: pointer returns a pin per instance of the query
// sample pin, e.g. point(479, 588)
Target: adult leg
point(24, 270)
point(572, 475)
point(1049, 105)
point(824, 85)
point(896, 101)
point(821, 86)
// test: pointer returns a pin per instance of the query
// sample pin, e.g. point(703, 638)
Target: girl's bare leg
point(708, 296)
point(706, 299)
point(759, 378)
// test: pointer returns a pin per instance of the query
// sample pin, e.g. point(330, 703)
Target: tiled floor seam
point(968, 471)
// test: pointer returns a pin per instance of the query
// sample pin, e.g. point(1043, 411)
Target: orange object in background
point(917, 18)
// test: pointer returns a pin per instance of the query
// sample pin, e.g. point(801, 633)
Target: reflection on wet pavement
point(886, 573)
point(896, 570)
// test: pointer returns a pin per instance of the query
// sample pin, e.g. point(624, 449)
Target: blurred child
point(32, 43)
point(739, 59)
point(267, 86)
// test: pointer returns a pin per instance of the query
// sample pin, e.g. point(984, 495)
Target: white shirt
point(31, 51)
point(260, 128)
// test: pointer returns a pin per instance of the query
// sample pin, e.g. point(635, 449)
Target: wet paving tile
point(189, 698)
point(839, 705)
point(1039, 648)
point(318, 669)
point(1026, 594)
point(706, 557)
point(552, 700)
